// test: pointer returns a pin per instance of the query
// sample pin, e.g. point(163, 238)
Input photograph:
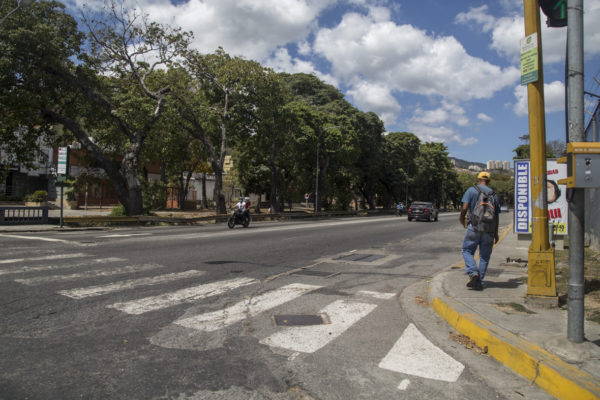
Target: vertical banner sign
point(522, 197)
point(529, 59)
point(63, 161)
point(558, 207)
point(557, 197)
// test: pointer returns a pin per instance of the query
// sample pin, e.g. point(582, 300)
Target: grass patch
point(591, 263)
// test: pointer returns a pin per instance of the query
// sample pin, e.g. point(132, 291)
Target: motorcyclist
point(240, 207)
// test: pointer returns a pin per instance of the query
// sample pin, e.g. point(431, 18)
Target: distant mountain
point(465, 164)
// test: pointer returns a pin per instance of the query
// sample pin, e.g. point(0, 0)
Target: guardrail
point(23, 215)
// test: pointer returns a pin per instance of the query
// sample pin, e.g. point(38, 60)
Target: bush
point(39, 196)
point(118, 211)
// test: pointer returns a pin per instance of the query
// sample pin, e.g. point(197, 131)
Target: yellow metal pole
point(541, 280)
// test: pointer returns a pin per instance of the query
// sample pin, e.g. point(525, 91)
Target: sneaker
point(473, 279)
point(478, 286)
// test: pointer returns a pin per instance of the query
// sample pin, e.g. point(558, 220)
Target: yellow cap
point(484, 175)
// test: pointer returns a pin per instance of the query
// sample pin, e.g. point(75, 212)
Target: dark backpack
point(483, 216)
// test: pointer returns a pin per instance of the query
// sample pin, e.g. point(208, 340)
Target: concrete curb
point(555, 376)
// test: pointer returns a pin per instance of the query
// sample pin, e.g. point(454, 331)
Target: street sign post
point(62, 169)
point(306, 196)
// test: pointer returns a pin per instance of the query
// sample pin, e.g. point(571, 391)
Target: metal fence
point(23, 215)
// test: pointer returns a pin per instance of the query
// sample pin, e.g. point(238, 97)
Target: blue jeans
point(485, 242)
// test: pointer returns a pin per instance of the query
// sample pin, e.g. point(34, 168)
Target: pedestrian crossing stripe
point(88, 274)
point(186, 295)
point(99, 290)
point(220, 319)
point(308, 339)
point(44, 258)
point(40, 268)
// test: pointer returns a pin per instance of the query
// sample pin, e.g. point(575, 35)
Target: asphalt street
point(295, 310)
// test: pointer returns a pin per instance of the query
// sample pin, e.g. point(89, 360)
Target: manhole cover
point(361, 257)
point(299, 320)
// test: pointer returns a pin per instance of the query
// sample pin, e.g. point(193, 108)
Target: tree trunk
point(275, 207)
point(257, 206)
point(218, 196)
point(204, 199)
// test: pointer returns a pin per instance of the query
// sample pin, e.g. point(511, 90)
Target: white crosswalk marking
point(88, 274)
point(377, 295)
point(308, 339)
point(25, 269)
point(248, 308)
point(413, 354)
point(44, 258)
point(100, 290)
point(42, 238)
point(186, 295)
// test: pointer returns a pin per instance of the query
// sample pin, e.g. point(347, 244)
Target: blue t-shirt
point(471, 196)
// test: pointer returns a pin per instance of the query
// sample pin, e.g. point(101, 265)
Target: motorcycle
point(237, 218)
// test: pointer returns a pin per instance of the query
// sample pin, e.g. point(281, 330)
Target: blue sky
point(445, 70)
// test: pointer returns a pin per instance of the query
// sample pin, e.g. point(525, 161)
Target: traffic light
point(556, 11)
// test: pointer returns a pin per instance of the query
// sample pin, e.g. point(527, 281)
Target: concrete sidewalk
point(529, 339)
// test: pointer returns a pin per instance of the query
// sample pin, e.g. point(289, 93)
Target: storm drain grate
point(299, 320)
point(361, 257)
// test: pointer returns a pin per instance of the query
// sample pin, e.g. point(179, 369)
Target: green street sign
point(529, 59)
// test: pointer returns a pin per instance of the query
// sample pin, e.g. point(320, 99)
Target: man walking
point(482, 229)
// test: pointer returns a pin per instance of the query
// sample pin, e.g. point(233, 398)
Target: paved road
point(302, 310)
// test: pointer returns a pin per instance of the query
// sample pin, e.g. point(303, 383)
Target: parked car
point(422, 210)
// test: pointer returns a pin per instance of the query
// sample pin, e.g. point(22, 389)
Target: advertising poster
point(558, 207)
point(556, 195)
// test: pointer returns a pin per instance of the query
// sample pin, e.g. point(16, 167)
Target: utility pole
point(541, 279)
point(575, 113)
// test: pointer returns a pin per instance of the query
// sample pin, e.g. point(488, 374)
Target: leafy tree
point(399, 165)
point(369, 167)
point(435, 173)
point(103, 97)
point(216, 109)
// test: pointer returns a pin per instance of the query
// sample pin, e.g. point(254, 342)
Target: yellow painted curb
point(549, 372)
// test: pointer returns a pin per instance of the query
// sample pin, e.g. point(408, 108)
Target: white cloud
point(249, 28)
point(506, 32)
point(442, 133)
point(484, 118)
point(554, 98)
point(437, 124)
point(281, 61)
point(407, 59)
point(376, 98)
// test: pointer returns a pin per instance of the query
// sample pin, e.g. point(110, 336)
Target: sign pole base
point(541, 276)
